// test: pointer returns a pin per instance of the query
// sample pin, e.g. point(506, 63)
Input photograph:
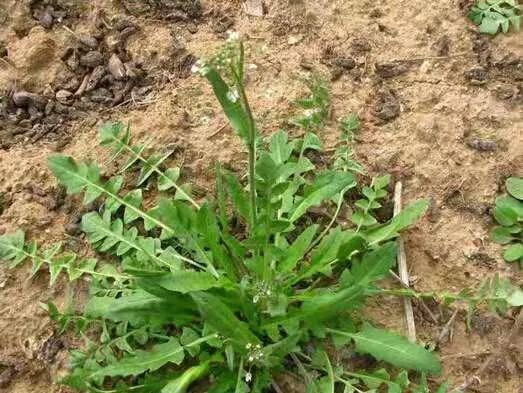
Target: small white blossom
point(268, 292)
point(248, 346)
point(308, 112)
point(232, 36)
point(232, 95)
point(258, 346)
point(255, 299)
point(248, 377)
point(251, 358)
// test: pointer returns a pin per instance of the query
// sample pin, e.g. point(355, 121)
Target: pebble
point(116, 67)
point(63, 96)
point(92, 59)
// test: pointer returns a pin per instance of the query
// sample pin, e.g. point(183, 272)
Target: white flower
point(200, 68)
point(248, 377)
point(309, 112)
point(268, 292)
point(232, 95)
point(248, 346)
point(255, 299)
point(251, 358)
point(233, 36)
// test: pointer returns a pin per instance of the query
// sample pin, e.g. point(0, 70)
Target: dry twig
point(403, 270)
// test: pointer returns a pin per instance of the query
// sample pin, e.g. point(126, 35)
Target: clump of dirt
point(64, 79)
point(173, 10)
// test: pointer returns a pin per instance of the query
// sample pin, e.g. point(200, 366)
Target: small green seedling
point(509, 215)
point(494, 15)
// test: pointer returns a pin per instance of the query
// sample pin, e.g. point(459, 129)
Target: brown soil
point(441, 109)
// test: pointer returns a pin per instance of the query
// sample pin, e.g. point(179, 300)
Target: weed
point(509, 215)
point(196, 297)
point(494, 15)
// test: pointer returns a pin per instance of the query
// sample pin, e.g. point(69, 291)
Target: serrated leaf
point(12, 248)
point(338, 182)
point(169, 180)
point(133, 198)
point(142, 361)
point(311, 141)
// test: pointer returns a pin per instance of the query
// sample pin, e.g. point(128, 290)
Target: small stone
point(95, 78)
point(88, 41)
point(387, 106)
point(92, 59)
point(64, 96)
point(390, 70)
point(294, 39)
point(484, 145)
point(46, 18)
point(347, 63)
point(24, 99)
point(116, 67)
point(477, 75)
point(192, 28)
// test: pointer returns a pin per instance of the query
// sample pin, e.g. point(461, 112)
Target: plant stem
point(251, 143)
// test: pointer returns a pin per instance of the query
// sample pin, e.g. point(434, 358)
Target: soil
point(441, 108)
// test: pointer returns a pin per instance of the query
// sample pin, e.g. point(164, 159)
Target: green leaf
point(312, 142)
point(140, 307)
point(374, 265)
point(296, 250)
point(142, 361)
point(403, 220)
point(504, 235)
point(12, 248)
point(220, 318)
point(515, 187)
point(74, 175)
point(280, 148)
point(233, 110)
point(171, 177)
point(338, 182)
point(489, 26)
point(508, 210)
point(514, 253)
point(394, 349)
point(186, 281)
point(239, 196)
point(192, 374)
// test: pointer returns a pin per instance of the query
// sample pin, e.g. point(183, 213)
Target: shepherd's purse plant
point(229, 292)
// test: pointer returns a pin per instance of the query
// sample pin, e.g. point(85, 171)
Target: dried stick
point(403, 270)
point(446, 329)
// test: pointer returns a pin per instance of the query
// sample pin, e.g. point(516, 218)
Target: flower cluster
point(223, 60)
point(262, 290)
point(255, 352)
